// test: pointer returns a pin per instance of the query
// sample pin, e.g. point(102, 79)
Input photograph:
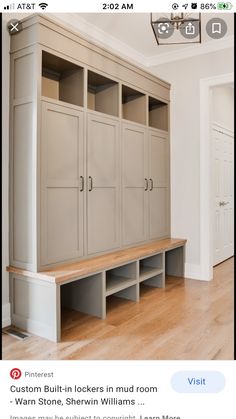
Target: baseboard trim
point(6, 315)
point(193, 271)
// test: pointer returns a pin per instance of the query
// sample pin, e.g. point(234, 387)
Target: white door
point(223, 169)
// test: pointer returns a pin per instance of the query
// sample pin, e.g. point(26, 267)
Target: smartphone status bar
point(120, 6)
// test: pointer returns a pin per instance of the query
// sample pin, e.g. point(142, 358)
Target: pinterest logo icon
point(15, 373)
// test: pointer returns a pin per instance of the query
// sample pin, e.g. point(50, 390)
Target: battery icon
point(224, 6)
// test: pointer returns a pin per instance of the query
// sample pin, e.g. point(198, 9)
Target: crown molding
point(193, 51)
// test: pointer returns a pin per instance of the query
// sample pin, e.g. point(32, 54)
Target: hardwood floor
point(187, 320)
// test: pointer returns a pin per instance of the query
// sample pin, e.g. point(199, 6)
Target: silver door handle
point(223, 203)
point(81, 183)
point(146, 184)
point(90, 188)
point(151, 184)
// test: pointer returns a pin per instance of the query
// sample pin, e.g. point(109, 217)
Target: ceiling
point(131, 35)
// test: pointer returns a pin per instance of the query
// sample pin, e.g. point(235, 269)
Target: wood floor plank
point(188, 319)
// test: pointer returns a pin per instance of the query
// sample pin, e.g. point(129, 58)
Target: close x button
point(14, 26)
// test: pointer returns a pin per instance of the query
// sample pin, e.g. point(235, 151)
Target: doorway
point(206, 173)
point(223, 193)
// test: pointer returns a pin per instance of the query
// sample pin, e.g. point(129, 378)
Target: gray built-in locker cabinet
point(89, 149)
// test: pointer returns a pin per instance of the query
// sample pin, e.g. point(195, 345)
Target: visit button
point(198, 381)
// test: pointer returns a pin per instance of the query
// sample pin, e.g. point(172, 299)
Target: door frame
point(217, 127)
point(206, 184)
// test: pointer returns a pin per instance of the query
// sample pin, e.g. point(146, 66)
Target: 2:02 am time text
point(118, 6)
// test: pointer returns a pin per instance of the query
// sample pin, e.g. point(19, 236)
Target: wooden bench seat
point(99, 263)
point(37, 297)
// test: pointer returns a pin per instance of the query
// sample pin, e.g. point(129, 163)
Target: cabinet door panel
point(62, 223)
point(134, 215)
point(134, 172)
point(23, 187)
point(103, 200)
point(159, 159)
point(159, 211)
point(61, 199)
point(102, 219)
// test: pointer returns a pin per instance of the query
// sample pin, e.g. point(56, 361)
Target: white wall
point(222, 103)
point(185, 76)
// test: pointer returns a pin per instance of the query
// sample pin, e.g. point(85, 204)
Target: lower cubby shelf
point(148, 272)
point(130, 293)
point(120, 278)
point(156, 281)
point(150, 267)
point(117, 283)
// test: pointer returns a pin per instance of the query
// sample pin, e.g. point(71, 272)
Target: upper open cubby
point(102, 94)
point(133, 105)
point(158, 114)
point(62, 79)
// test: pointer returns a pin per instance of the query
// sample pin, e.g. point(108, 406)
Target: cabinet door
point(134, 185)
point(103, 197)
point(61, 194)
point(159, 208)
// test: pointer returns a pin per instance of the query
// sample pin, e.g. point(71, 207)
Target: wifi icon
point(43, 5)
